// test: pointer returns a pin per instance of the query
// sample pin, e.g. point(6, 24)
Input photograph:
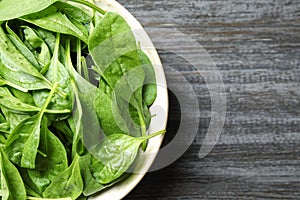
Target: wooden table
point(256, 47)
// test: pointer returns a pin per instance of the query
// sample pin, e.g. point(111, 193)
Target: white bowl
point(159, 109)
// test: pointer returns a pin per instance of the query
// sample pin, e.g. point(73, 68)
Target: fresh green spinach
point(67, 184)
point(15, 68)
point(56, 73)
point(68, 132)
point(22, 144)
point(11, 9)
point(53, 20)
point(22, 47)
point(115, 155)
point(37, 45)
point(9, 101)
point(12, 185)
point(150, 87)
point(50, 166)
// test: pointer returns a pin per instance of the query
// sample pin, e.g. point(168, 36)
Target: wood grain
point(256, 47)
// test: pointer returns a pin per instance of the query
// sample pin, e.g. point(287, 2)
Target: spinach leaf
point(4, 82)
point(37, 60)
point(133, 118)
point(68, 184)
point(150, 88)
point(111, 120)
point(48, 37)
point(91, 184)
point(25, 97)
point(12, 185)
point(80, 26)
point(23, 142)
point(2, 118)
point(2, 138)
point(22, 47)
point(115, 155)
point(84, 115)
point(64, 128)
point(15, 68)
point(113, 48)
point(37, 45)
point(31, 188)
point(11, 9)
point(16, 105)
point(53, 20)
point(4, 128)
point(75, 12)
point(113, 37)
point(49, 167)
point(13, 118)
point(90, 5)
point(56, 73)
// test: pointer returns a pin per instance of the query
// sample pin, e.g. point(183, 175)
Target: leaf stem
point(57, 111)
point(78, 49)
point(5, 82)
point(44, 107)
point(147, 137)
point(42, 153)
point(85, 69)
point(142, 123)
point(68, 58)
point(143, 128)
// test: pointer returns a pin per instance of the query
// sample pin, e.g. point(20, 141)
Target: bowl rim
point(120, 190)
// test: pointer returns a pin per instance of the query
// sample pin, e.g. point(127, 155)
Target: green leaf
point(37, 46)
point(63, 127)
point(11, 9)
point(48, 37)
point(76, 12)
point(2, 118)
point(53, 20)
point(23, 142)
point(13, 118)
point(91, 184)
point(22, 47)
point(16, 105)
point(49, 167)
point(68, 184)
point(56, 73)
point(115, 155)
point(113, 48)
point(11, 102)
point(150, 88)
point(15, 68)
point(84, 115)
point(12, 185)
point(111, 120)
point(4, 128)
point(25, 97)
point(4, 82)
point(31, 188)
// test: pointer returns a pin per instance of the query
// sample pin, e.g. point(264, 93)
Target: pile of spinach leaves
point(75, 91)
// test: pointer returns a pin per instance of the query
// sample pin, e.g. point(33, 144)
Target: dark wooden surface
point(256, 47)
